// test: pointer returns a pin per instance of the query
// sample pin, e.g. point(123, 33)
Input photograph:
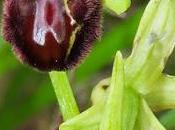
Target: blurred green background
point(27, 99)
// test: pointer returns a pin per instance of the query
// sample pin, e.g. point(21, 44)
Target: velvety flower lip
point(52, 34)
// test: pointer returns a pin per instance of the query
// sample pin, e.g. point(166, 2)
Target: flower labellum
point(52, 34)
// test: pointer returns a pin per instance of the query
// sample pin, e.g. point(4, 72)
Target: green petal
point(163, 95)
point(100, 91)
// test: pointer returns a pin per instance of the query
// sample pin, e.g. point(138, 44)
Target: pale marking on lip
point(40, 31)
point(42, 28)
point(73, 22)
point(72, 39)
point(74, 32)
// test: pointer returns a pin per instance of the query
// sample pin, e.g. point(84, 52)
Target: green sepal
point(153, 44)
point(87, 120)
point(146, 119)
point(117, 6)
point(112, 116)
point(163, 95)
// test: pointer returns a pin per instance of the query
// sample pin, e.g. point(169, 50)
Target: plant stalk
point(64, 94)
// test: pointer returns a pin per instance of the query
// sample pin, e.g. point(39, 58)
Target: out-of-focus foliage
point(119, 37)
point(27, 99)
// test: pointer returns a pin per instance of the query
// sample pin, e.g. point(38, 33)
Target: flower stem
point(64, 94)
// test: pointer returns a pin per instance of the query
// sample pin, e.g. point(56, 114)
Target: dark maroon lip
point(41, 31)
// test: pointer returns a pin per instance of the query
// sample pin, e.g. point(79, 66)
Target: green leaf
point(117, 6)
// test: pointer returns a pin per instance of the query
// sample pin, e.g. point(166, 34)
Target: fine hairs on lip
point(52, 34)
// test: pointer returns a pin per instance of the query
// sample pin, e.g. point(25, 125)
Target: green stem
point(64, 94)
